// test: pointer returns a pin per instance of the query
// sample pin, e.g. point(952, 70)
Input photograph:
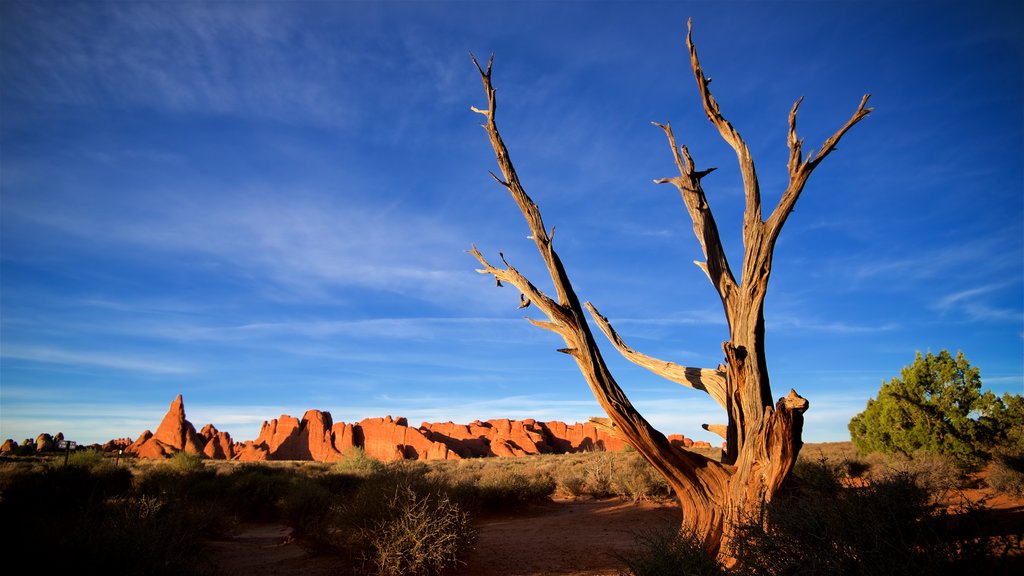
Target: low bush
point(254, 492)
point(635, 479)
point(358, 463)
point(890, 525)
point(503, 488)
point(666, 552)
point(90, 520)
point(600, 473)
point(573, 482)
point(1006, 473)
point(936, 474)
point(419, 534)
point(82, 458)
point(185, 462)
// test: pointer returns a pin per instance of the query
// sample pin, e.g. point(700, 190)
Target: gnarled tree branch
point(706, 379)
point(694, 473)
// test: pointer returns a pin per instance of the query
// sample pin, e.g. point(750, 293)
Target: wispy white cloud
point(302, 243)
point(197, 57)
point(130, 363)
point(991, 255)
point(782, 322)
point(971, 302)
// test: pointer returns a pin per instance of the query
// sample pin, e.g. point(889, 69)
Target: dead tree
point(762, 436)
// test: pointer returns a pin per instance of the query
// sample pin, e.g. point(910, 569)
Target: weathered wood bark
point(763, 437)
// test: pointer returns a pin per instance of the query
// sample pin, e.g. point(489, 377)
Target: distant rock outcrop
point(317, 437)
point(216, 445)
point(8, 446)
point(177, 434)
point(44, 443)
point(116, 444)
point(680, 441)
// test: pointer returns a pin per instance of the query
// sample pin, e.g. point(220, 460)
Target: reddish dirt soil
point(565, 537)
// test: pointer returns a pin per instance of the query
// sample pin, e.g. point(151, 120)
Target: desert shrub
point(352, 522)
point(935, 474)
point(822, 476)
point(60, 493)
point(572, 482)
point(146, 535)
point(1006, 474)
point(169, 482)
point(186, 462)
point(421, 534)
point(667, 552)
point(82, 458)
point(358, 463)
point(600, 473)
point(635, 479)
point(305, 504)
point(888, 526)
point(90, 520)
point(254, 492)
point(501, 488)
point(368, 503)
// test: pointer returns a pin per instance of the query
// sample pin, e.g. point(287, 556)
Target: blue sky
point(265, 206)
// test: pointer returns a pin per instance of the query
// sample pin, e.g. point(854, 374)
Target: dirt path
point(564, 537)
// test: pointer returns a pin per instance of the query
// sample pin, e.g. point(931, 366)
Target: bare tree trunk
point(763, 437)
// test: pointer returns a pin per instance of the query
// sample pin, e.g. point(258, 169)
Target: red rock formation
point(320, 436)
point(251, 452)
point(216, 445)
point(580, 437)
point(148, 446)
point(317, 437)
point(44, 443)
point(344, 437)
point(174, 435)
point(116, 444)
point(8, 446)
point(177, 432)
point(680, 441)
point(387, 439)
point(287, 438)
point(468, 441)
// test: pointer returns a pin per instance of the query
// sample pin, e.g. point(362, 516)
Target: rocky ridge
point(317, 437)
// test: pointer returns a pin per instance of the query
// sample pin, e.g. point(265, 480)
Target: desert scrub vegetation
point(889, 523)
point(90, 519)
point(600, 474)
point(357, 462)
point(1006, 473)
point(185, 462)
